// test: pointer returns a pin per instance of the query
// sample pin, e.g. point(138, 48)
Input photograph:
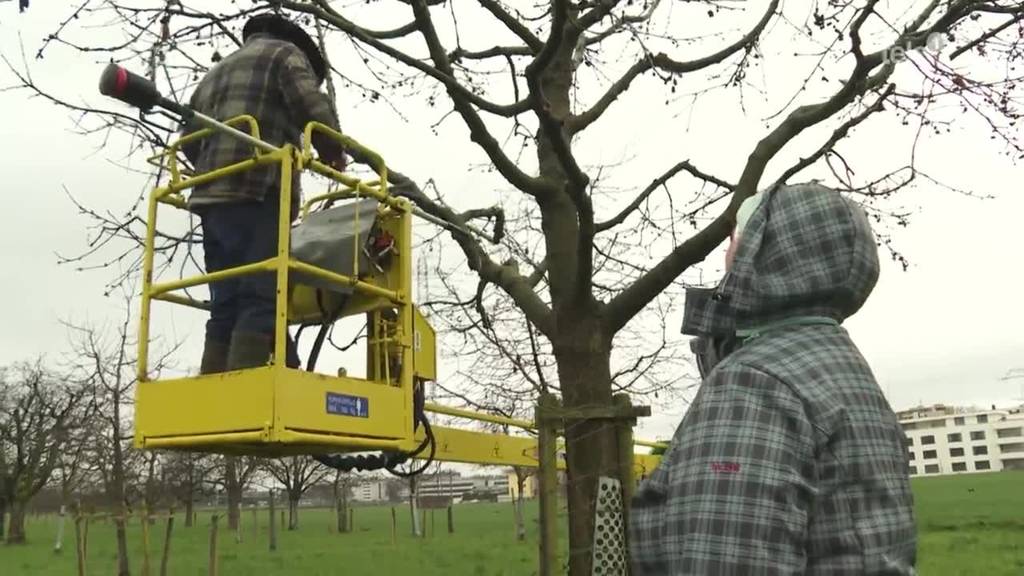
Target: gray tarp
point(324, 239)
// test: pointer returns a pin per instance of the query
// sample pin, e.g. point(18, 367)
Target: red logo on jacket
point(726, 467)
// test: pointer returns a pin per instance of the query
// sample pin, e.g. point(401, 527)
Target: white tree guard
point(609, 530)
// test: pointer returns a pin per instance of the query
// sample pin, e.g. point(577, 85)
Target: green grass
point(483, 545)
point(960, 532)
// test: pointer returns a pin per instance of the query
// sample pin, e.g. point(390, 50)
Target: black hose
point(390, 461)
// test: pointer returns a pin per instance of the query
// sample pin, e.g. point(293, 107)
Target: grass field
point(960, 532)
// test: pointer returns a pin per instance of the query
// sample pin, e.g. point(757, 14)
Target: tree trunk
point(16, 525)
point(293, 512)
point(117, 495)
point(591, 445)
point(342, 516)
point(3, 517)
point(234, 488)
point(123, 568)
point(189, 515)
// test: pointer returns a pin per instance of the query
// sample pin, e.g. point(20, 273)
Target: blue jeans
point(235, 234)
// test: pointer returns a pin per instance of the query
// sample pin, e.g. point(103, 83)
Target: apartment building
point(950, 440)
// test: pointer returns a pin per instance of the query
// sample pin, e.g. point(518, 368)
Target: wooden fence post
point(351, 519)
point(394, 526)
point(165, 558)
point(145, 542)
point(79, 544)
point(213, 545)
point(547, 449)
point(624, 431)
point(451, 520)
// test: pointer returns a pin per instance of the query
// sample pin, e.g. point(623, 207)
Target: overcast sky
point(944, 331)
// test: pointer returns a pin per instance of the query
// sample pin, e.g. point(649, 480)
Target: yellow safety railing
point(289, 159)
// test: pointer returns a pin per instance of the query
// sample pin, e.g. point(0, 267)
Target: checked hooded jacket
point(271, 80)
point(789, 460)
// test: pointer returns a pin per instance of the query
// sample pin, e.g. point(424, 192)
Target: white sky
point(944, 331)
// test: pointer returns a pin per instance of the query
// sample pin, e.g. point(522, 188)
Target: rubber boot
point(249, 350)
point(215, 357)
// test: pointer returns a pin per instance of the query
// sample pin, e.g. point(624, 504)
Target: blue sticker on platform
point(345, 405)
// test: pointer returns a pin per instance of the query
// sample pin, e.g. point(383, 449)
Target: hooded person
point(789, 460)
point(274, 77)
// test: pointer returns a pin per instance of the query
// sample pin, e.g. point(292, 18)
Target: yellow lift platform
point(276, 410)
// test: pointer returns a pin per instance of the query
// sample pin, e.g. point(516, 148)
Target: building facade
point(949, 440)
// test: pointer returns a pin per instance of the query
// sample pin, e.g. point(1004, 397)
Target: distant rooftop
point(939, 410)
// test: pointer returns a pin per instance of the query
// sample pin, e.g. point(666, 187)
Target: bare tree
point(297, 474)
point(104, 358)
point(189, 477)
point(528, 82)
point(38, 410)
point(238, 473)
point(72, 472)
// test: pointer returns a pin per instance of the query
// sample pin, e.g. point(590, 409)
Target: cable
point(390, 461)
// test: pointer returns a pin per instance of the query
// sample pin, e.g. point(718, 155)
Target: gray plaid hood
point(805, 251)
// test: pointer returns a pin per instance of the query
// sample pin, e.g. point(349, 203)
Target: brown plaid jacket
point(789, 461)
point(271, 80)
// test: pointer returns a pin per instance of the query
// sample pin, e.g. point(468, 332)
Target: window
point(910, 454)
point(908, 441)
point(913, 470)
point(1010, 432)
point(956, 452)
point(959, 421)
point(929, 455)
point(982, 419)
point(958, 437)
point(982, 465)
point(959, 466)
point(979, 435)
point(925, 440)
point(932, 469)
point(980, 450)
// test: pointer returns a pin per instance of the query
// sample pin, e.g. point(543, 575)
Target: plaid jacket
point(271, 80)
point(789, 460)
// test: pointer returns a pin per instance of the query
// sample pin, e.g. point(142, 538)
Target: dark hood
point(805, 251)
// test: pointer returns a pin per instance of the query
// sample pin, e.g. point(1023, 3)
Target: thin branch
point(657, 183)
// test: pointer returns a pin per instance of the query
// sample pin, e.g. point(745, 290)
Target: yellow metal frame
point(274, 410)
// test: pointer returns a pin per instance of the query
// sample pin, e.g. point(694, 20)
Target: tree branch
point(478, 130)
point(663, 61)
point(323, 11)
point(505, 277)
point(837, 135)
point(657, 183)
point(513, 24)
point(631, 300)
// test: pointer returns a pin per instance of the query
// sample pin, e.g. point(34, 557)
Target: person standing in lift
point(790, 460)
point(275, 77)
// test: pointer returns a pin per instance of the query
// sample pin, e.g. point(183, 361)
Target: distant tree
point(104, 358)
point(297, 474)
point(38, 412)
point(189, 476)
